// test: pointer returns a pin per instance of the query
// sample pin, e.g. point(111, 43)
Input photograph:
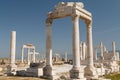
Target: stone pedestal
point(114, 66)
point(11, 69)
point(77, 74)
point(47, 72)
point(90, 71)
point(34, 72)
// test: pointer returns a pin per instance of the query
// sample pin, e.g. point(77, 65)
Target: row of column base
point(76, 73)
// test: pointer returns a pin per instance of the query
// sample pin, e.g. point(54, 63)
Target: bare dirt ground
point(18, 78)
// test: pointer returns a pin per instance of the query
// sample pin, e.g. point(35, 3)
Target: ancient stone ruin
point(86, 63)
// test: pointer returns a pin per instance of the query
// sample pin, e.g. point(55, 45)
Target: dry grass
point(115, 76)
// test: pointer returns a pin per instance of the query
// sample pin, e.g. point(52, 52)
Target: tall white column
point(104, 49)
point(95, 53)
point(90, 69)
point(48, 45)
point(81, 53)
point(86, 54)
point(75, 42)
point(34, 55)
point(11, 68)
point(113, 49)
point(22, 56)
point(101, 51)
point(65, 56)
point(47, 70)
point(28, 55)
point(89, 45)
point(75, 72)
point(83, 49)
point(13, 47)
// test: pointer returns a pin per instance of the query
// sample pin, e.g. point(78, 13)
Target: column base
point(47, 72)
point(90, 71)
point(114, 67)
point(11, 69)
point(77, 73)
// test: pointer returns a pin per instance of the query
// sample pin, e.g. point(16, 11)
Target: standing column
point(86, 52)
point(113, 48)
point(90, 45)
point(101, 51)
point(89, 69)
point(76, 56)
point(22, 56)
point(95, 53)
point(34, 55)
point(12, 67)
point(81, 53)
point(104, 49)
point(13, 48)
point(104, 52)
point(28, 56)
point(75, 72)
point(47, 70)
point(83, 49)
point(65, 56)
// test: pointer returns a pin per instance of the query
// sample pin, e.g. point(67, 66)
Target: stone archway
point(75, 11)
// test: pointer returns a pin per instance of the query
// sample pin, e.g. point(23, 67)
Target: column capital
point(74, 16)
point(88, 23)
point(49, 22)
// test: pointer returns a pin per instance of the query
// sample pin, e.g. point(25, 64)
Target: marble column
point(22, 56)
point(76, 56)
point(90, 45)
point(81, 55)
point(75, 72)
point(83, 50)
point(101, 52)
point(95, 54)
point(89, 69)
point(86, 52)
point(11, 68)
point(28, 56)
point(33, 55)
point(47, 70)
point(65, 56)
point(104, 52)
point(104, 49)
point(114, 51)
point(13, 48)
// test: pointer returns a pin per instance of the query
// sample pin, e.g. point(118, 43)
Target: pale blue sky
point(27, 18)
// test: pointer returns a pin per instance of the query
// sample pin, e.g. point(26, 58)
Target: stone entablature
point(63, 9)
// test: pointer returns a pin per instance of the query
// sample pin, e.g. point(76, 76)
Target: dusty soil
point(18, 78)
